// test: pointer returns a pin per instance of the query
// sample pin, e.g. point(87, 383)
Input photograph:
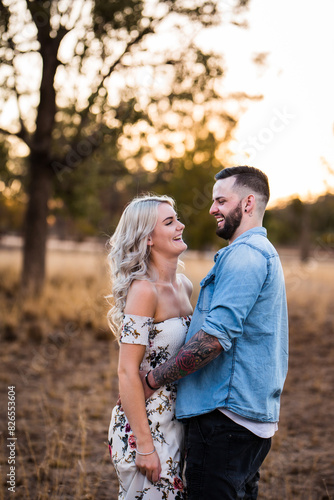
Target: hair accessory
point(145, 454)
point(147, 382)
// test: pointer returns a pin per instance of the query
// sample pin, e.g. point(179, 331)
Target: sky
point(289, 134)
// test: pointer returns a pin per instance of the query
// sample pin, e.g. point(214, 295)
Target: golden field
point(62, 360)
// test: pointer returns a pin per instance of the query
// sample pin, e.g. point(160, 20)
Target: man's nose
point(213, 208)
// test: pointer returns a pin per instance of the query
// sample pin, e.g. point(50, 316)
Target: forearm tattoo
point(196, 353)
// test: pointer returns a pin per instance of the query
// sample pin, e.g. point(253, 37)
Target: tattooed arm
point(196, 353)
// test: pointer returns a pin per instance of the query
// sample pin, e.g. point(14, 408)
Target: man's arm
point(196, 353)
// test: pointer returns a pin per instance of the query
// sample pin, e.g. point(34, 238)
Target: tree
point(189, 180)
point(88, 75)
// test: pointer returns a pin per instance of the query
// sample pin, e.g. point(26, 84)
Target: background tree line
point(93, 204)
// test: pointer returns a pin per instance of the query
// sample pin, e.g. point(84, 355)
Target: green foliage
point(11, 215)
point(12, 204)
point(116, 15)
point(287, 225)
point(4, 172)
point(4, 18)
point(322, 216)
point(189, 180)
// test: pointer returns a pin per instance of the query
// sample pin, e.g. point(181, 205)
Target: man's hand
point(200, 350)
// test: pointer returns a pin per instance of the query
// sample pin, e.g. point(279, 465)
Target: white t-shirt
point(261, 429)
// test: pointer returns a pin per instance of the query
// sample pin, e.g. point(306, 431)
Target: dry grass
point(60, 356)
point(75, 290)
point(301, 463)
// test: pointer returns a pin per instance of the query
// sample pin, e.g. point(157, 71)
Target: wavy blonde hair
point(129, 256)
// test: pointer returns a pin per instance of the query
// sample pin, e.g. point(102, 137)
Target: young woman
point(150, 318)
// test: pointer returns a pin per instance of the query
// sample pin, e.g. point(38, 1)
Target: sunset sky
point(289, 133)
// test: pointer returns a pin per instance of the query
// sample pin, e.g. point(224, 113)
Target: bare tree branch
point(15, 134)
point(137, 39)
point(23, 132)
point(6, 132)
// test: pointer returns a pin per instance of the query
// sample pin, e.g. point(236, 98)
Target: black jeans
point(223, 459)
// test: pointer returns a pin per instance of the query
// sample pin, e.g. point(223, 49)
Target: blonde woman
point(150, 317)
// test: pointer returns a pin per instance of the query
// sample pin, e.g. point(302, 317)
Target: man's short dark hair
point(249, 177)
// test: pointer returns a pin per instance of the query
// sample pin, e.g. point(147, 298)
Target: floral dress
point(162, 340)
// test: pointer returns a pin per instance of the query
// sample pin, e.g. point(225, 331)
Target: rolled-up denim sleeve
point(240, 276)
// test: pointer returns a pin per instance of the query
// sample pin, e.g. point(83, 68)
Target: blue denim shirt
point(242, 302)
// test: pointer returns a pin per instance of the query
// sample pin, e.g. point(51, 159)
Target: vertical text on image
point(11, 439)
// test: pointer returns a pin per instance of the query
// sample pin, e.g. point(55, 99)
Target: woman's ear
point(149, 241)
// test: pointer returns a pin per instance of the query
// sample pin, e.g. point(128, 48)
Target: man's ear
point(249, 203)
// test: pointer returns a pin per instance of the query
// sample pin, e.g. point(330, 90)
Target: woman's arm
point(133, 402)
point(141, 301)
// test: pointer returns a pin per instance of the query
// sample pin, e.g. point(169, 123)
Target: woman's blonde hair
point(129, 255)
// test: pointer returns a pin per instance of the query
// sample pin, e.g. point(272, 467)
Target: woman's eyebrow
point(170, 217)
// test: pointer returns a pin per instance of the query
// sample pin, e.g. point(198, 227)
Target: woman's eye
point(169, 223)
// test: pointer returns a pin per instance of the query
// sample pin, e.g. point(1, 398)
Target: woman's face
point(166, 237)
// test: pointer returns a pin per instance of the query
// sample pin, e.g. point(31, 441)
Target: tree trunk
point(41, 174)
point(35, 230)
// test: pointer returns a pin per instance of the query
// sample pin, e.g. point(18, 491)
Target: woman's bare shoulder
point(141, 299)
point(186, 283)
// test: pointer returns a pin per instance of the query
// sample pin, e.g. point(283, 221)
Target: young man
point(236, 354)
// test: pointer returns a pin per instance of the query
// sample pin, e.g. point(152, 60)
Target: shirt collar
point(255, 230)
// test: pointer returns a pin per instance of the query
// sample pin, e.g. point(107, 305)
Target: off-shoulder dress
point(162, 340)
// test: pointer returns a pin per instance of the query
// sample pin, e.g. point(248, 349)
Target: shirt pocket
point(206, 293)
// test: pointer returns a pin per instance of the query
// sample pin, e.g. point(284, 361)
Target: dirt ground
point(66, 384)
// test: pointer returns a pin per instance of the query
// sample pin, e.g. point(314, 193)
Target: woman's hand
point(149, 466)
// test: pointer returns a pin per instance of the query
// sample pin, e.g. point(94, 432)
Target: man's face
point(226, 208)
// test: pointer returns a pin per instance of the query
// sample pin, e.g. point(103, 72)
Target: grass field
point(62, 360)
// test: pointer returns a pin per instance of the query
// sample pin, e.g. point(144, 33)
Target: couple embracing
point(206, 436)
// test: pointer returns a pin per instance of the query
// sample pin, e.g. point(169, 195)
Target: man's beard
point(231, 223)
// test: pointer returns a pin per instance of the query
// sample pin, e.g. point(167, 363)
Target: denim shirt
point(242, 302)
